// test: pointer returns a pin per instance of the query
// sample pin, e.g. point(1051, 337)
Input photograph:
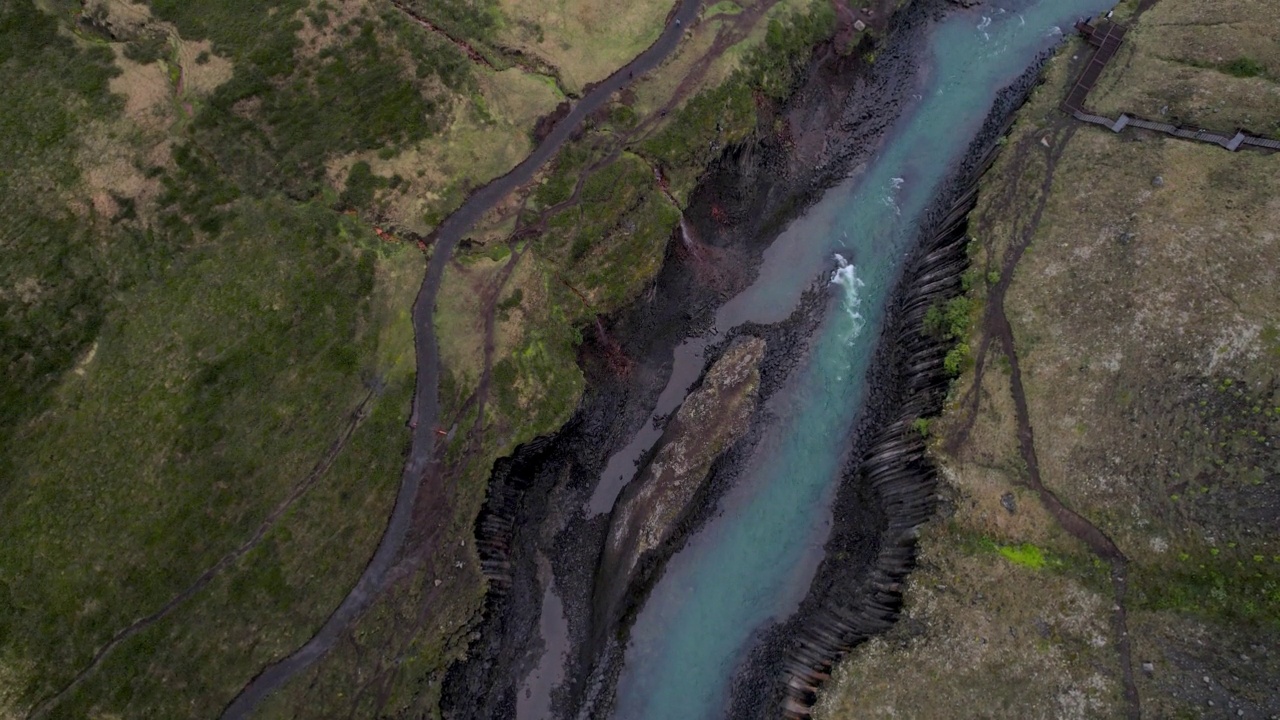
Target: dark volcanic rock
point(889, 489)
point(1008, 502)
point(711, 419)
point(535, 512)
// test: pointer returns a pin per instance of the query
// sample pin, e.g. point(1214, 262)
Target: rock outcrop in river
point(537, 508)
point(889, 490)
point(711, 419)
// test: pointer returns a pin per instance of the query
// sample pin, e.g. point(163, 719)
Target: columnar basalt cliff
point(534, 519)
point(900, 478)
point(889, 490)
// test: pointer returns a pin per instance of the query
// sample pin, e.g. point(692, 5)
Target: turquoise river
point(753, 562)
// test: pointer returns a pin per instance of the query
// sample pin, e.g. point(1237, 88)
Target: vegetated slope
point(1213, 66)
point(207, 364)
point(522, 294)
point(207, 350)
point(191, 338)
point(1137, 277)
point(52, 281)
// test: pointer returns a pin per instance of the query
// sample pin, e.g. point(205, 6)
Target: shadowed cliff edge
point(889, 491)
point(530, 526)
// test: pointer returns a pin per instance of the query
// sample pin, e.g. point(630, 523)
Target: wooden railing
point(1107, 37)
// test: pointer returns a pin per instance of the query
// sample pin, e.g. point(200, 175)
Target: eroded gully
point(749, 567)
point(422, 466)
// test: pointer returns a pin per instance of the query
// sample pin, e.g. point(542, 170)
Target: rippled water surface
point(753, 563)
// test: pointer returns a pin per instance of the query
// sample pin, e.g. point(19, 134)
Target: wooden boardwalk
point(1107, 36)
point(1232, 142)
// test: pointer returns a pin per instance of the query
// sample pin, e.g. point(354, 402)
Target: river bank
point(1100, 352)
point(886, 491)
point(533, 529)
point(888, 488)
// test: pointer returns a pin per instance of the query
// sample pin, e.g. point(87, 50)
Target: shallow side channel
point(749, 568)
point(539, 506)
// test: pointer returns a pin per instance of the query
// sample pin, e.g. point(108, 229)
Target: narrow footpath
point(422, 467)
point(354, 419)
point(996, 329)
point(1107, 37)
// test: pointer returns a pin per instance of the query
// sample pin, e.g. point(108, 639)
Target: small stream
point(752, 563)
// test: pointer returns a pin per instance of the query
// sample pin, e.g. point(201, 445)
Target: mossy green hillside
point(53, 279)
point(726, 114)
point(284, 114)
point(172, 378)
point(1235, 584)
point(214, 391)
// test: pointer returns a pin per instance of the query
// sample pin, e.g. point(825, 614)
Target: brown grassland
point(1145, 315)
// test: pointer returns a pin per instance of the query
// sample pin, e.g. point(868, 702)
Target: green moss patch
point(1024, 555)
point(1234, 584)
